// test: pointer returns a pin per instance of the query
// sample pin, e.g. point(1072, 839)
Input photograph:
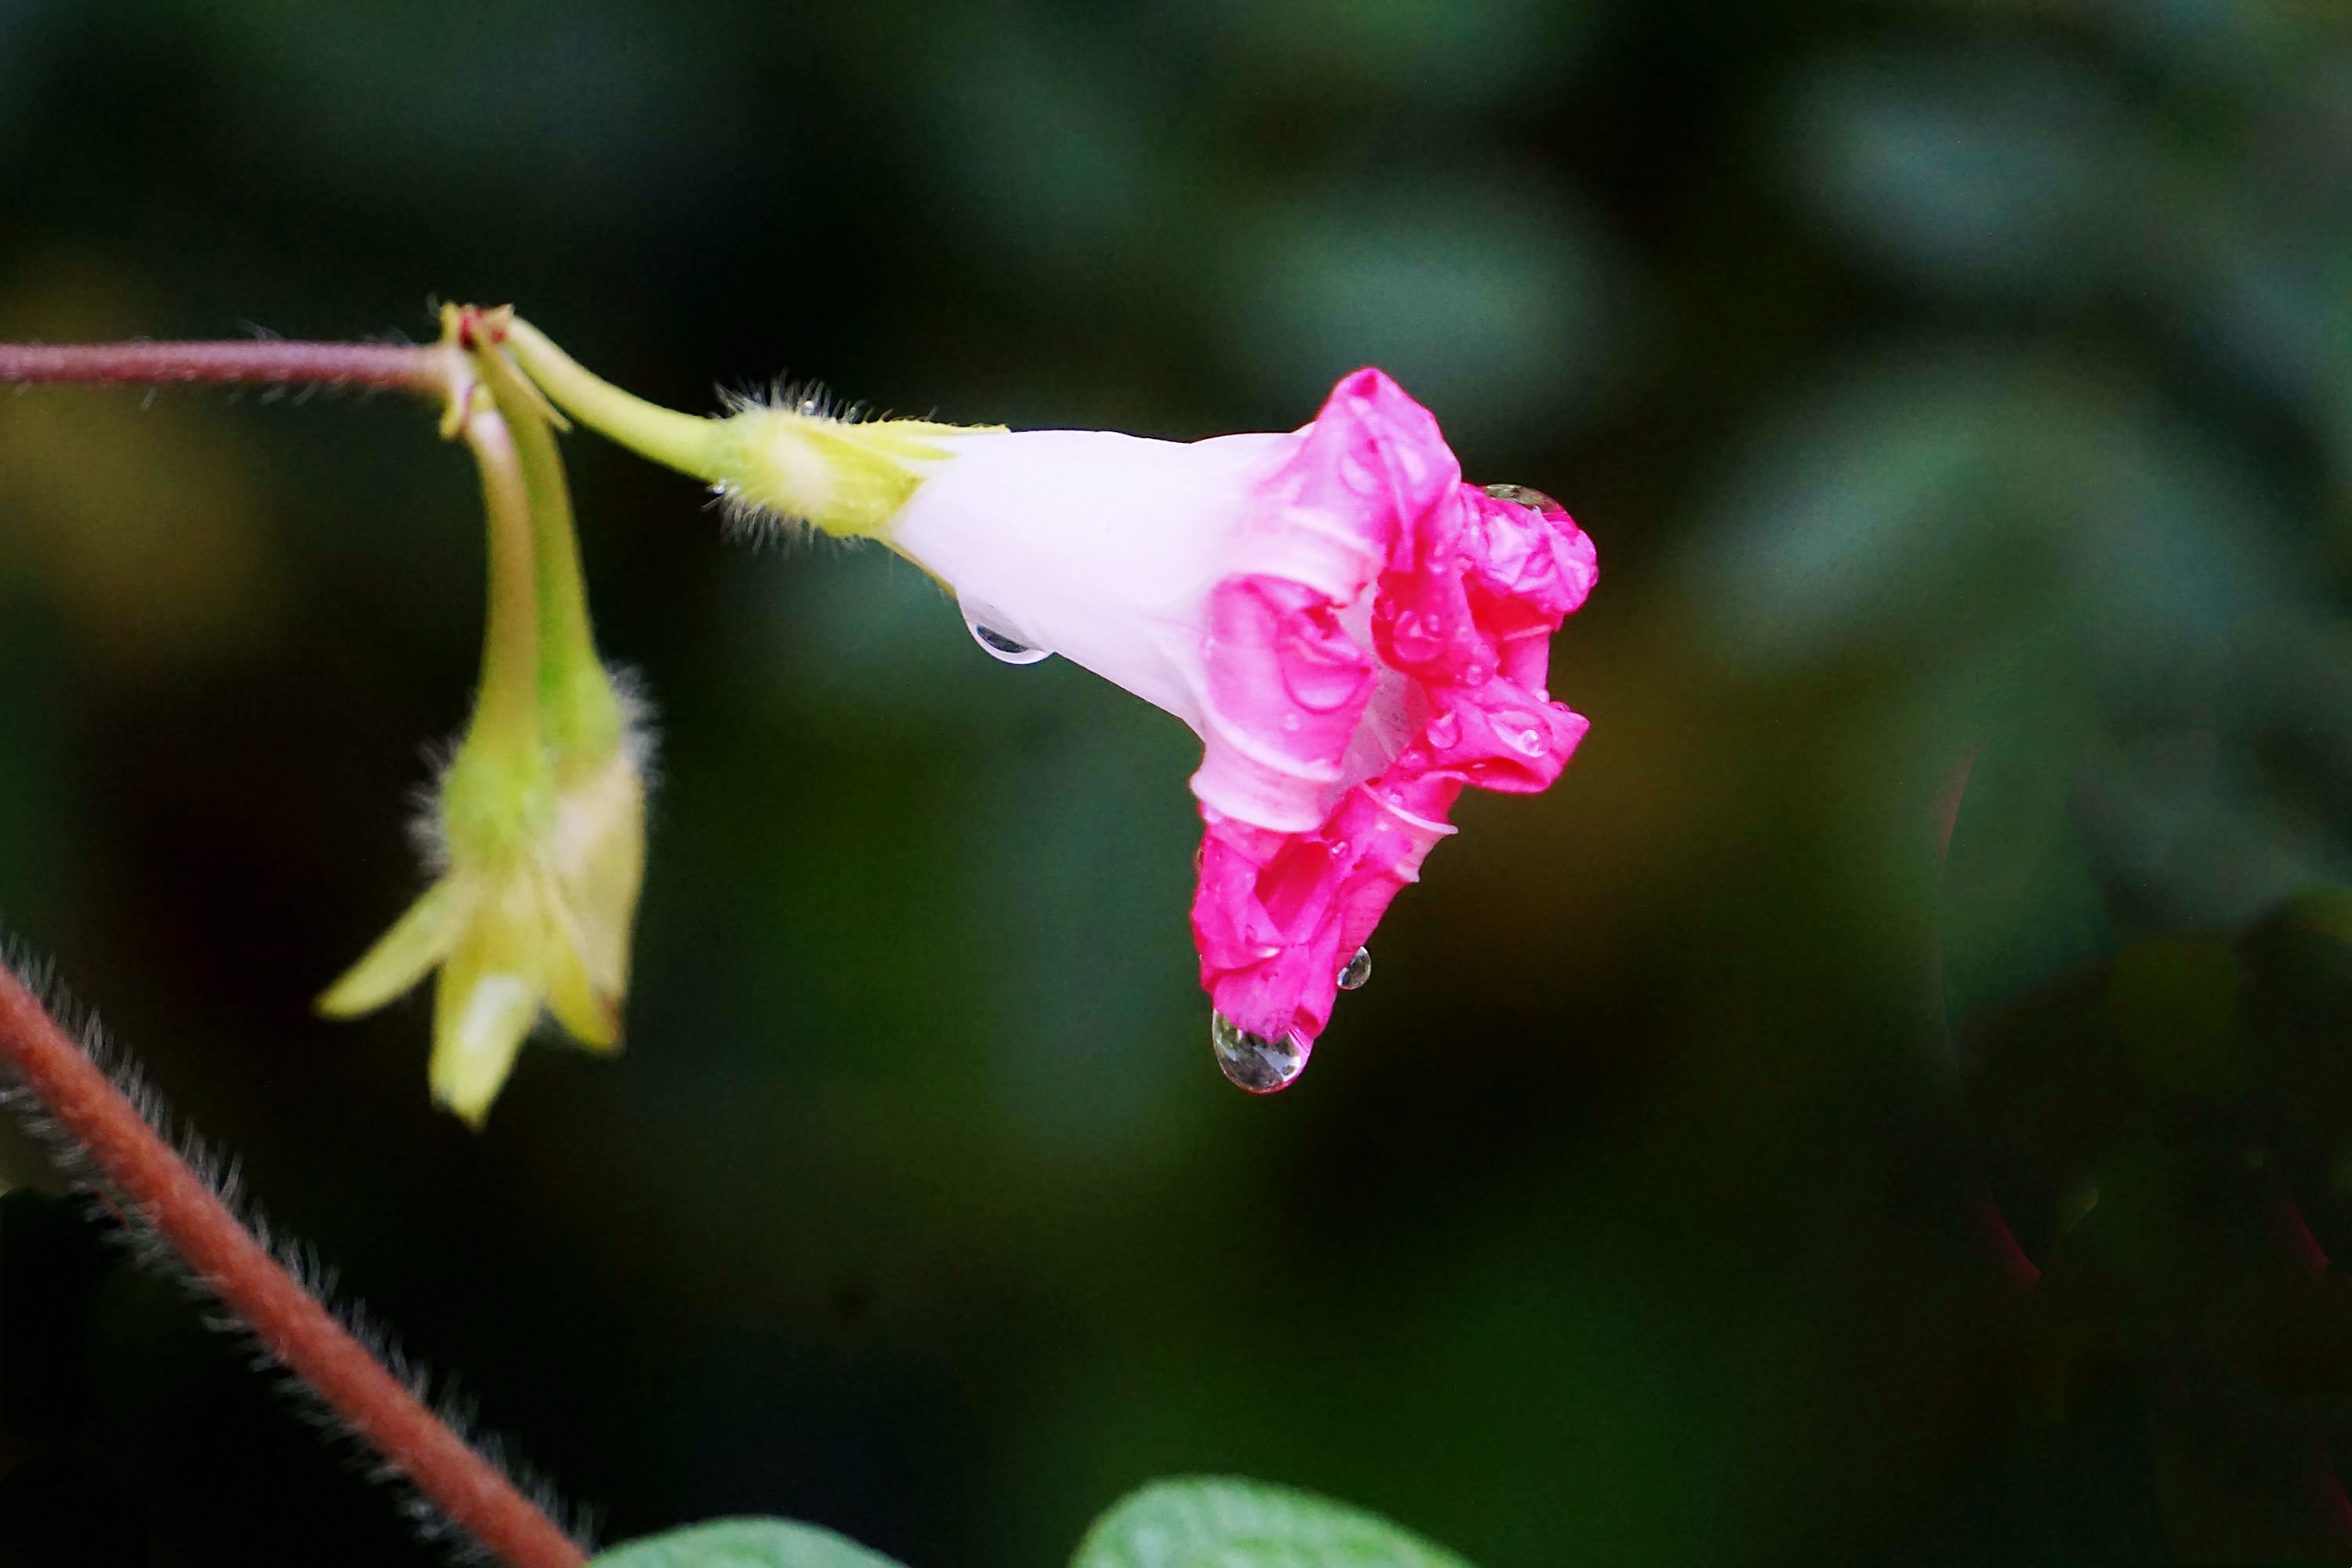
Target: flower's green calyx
point(845, 476)
point(538, 824)
point(847, 479)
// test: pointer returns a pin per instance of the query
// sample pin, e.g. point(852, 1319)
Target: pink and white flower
point(1353, 632)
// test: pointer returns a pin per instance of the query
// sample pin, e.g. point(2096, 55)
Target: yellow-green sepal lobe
point(401, 957)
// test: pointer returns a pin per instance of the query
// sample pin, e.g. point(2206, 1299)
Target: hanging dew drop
point(1358, 970)
point(1004, 648)
point(1521, 495)
point(1254, 1062)
point(998, 644)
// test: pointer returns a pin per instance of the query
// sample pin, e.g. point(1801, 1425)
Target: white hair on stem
point(219, 1174)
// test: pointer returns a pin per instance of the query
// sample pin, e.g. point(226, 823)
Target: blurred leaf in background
point(1175, 1522)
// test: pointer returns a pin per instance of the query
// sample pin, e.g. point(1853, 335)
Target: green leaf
point(744, 1543)
point(1217, 1522)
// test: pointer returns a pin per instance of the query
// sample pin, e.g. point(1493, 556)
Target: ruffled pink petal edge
point(1470, 589)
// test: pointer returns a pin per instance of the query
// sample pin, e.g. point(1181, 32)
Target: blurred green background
point(1709, 1172)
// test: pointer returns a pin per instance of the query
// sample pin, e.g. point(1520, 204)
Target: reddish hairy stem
point(424, 369)
point(291, 1324)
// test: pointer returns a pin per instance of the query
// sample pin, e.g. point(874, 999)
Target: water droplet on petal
point(1000, 645)
point(1520, 495)
point(1444, 731)
point(1358, 970)
point(1323, 673)
point(1412, 639)
point(1522, 731)
point(1254, 1062)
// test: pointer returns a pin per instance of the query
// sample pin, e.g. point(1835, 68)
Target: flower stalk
point(595, 740)
point(583, 713)
point(847, 477)
point(292, 1325)
point(689, 443)
point(427, 369)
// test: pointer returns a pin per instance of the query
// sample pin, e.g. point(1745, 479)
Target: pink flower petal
point(1285, 688)
point(1298, 867)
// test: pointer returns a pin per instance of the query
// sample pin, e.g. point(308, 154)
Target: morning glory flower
point(1354, 633)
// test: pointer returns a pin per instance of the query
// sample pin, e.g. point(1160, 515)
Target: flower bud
point(537, 825)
